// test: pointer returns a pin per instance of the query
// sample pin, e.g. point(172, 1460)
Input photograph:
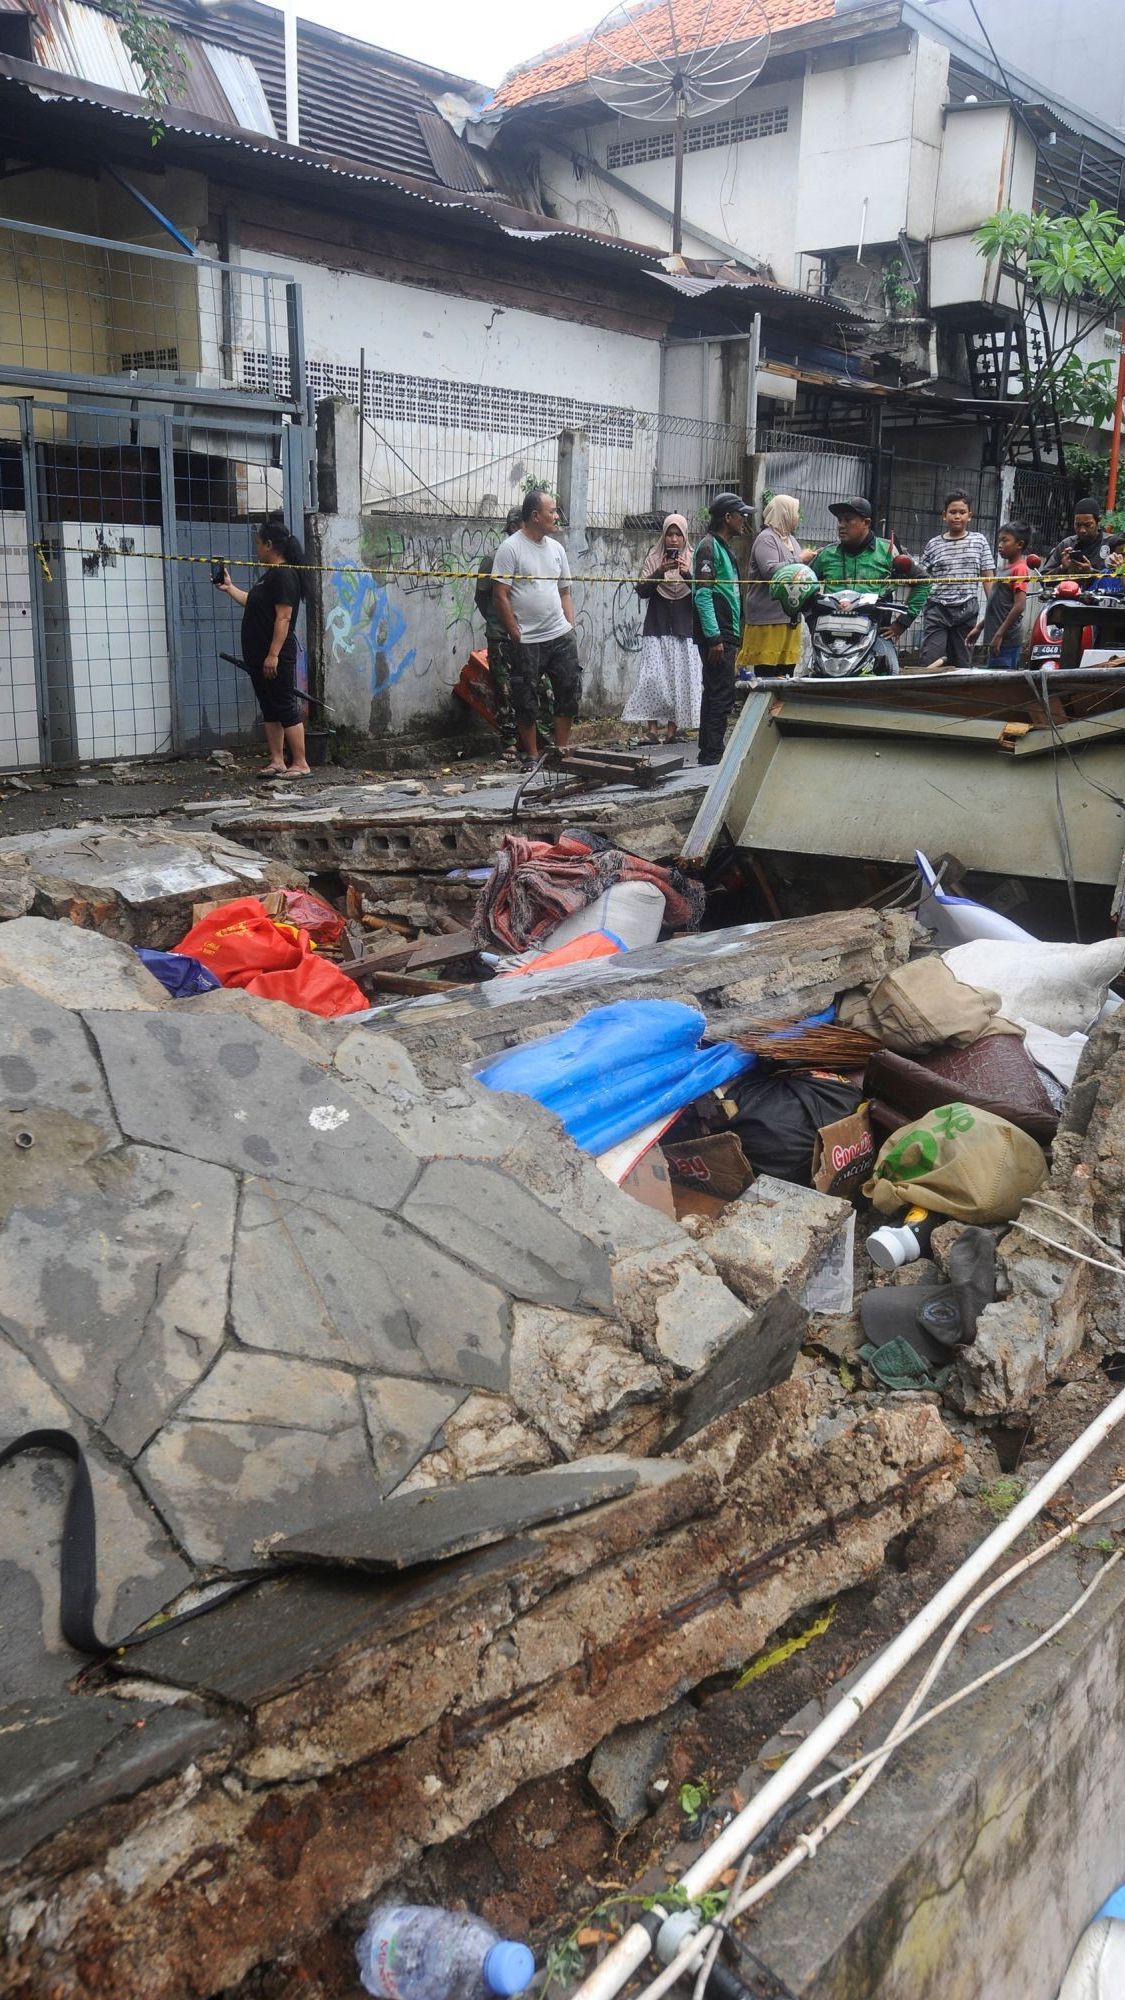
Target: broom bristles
point(787, 1041)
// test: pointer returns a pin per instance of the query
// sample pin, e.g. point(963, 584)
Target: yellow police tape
point(395, 570)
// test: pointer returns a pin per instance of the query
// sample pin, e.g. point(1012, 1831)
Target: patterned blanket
point(536, 883)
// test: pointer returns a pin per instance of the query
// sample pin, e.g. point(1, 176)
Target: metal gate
point(110, 628)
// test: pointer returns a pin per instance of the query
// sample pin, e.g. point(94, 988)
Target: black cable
point(1064, 831)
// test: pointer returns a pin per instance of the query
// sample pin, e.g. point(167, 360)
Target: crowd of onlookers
point(709, 618)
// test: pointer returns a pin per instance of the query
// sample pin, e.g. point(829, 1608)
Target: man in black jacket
point(717, 619)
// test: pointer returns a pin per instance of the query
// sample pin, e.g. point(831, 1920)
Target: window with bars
point(464, 406)
point(700, 138)
point(150, 357)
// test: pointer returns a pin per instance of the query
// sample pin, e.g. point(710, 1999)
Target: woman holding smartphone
point(669, 682)
point(269, 646)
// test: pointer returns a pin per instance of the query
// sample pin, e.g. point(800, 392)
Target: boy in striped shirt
point(959, 559)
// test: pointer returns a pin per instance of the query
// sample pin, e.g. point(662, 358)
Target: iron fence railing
point(817, 471)
point(82, 311)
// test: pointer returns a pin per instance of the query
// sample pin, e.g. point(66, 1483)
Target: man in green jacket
point(717, 619)
point(862, 558)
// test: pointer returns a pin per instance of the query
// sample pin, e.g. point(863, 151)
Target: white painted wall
point(109, 627)
point(408, 331)
point(19, 702)
point(744, 192)
point(856, 146)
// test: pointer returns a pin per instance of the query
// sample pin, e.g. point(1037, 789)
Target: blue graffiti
point(364, 628)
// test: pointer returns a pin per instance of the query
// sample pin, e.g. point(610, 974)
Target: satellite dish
point(661, 60)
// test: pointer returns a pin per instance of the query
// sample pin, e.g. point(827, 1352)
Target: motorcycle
point(847, 628)
point(848, 635)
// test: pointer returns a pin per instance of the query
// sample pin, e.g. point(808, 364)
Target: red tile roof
point(560, 68)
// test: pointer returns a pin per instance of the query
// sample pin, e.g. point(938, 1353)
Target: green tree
point(160, 58)
point(1069, 273)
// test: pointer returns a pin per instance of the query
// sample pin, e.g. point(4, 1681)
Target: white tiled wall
point(111, 621)
point(19, 728)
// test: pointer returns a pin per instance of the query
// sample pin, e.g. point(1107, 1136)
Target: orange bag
point(242, 945)
point(592, 944)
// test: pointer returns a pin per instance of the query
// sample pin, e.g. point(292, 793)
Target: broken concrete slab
point(761, 1354)
point(75, 968)
point(737, 978)
point(507, 1235)
point(135, 882)
point(139, 1569)
point(777, 1237)
point(430, 1523)
point(484, 1434)
point(101, 1746)
point(326, 1278)
point(47, 1065)
point(225, 1487)
point(579, 1378)
point(113, 1290)
point(448, 1691)
point(622, 1769)
point(368, 830)
point(176, 1081)
point(677, 1305)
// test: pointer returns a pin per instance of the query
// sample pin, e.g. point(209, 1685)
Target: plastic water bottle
point(408, 1952)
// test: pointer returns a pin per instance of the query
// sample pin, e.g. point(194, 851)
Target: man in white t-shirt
point(531, 592)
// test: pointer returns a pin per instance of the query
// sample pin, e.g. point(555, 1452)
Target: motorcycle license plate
point(844, 628)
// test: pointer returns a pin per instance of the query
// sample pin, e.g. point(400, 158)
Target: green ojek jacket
point(837, 566)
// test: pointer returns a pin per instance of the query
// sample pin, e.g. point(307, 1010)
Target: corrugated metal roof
point(350, 93)
point(83, 41)
point(26, 81)
point(693, 286)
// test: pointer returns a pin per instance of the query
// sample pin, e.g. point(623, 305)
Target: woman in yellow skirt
point(771, 643)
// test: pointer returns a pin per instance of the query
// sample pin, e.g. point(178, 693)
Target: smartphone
point(218, 573)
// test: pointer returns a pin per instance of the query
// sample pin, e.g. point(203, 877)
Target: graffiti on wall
point(365, 632)
point(409, 616)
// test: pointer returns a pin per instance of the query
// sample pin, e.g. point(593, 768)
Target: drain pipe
point(633, 1947)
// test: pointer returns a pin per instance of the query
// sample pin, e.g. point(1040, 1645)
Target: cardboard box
point(648, 1182)
point(844, 1155)
point(716, 1165)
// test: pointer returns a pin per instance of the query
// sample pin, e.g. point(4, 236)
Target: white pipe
point(292, 110)
point(633, 1947)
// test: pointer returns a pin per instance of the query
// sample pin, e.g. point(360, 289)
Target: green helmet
point(792, 586)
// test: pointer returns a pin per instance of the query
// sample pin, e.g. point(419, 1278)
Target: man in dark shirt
point(717, 619)
point(1086, 553)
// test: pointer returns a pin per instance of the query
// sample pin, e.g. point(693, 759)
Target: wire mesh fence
point(470, 451)
point(87, 307)
point(915, 494)
point(111, 630)
point(1042, 499)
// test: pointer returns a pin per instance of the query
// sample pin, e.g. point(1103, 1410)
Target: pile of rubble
point(422, 1455)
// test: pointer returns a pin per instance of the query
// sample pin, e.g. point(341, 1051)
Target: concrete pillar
point(337, 457)
point(572, 487)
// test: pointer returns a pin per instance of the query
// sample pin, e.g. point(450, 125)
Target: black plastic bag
point(780, 1113)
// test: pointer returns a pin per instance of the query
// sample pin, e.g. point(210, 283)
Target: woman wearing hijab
point(771, 643)
point(669, 684)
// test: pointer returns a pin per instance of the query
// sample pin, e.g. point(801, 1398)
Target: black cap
point(858, 506)
point(728, 503)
